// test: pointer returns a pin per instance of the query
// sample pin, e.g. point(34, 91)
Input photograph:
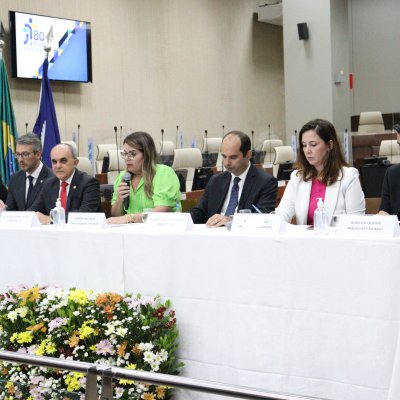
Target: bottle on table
point(321, 222)
point(57, 214)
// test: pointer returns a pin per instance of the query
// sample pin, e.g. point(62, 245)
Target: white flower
point(121, 331)
point(148, 356)
point(76, 313)
point(12, 315)
point(145, 346)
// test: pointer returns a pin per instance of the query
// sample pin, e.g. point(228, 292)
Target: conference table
point(293, 313)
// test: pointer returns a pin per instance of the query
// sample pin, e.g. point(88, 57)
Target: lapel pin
point(74, 187)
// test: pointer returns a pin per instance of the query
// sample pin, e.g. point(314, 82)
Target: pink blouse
point(318, 190)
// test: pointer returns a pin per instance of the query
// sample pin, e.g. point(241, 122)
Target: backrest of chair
point(188, 158)
point(167, 148)
point(102, 151)
point(389, 148)
point(269, 148)
point(212, 144)
point(117, 164)
point(85, 165)
point(371, 122)
point(72, 144)
point(283, 154)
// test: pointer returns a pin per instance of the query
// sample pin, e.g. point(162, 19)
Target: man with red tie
point(78, 191)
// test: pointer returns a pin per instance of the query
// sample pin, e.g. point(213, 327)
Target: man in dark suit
point(3, 193)
point(77, 190)
point(241, 186)
point(390, 198)
point(25, 185)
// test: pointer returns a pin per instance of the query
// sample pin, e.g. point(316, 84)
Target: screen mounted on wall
point(70, 56)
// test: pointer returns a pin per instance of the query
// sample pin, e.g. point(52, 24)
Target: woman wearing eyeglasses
point(152, 185)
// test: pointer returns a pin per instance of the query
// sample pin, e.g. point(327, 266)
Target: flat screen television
point(70, 57)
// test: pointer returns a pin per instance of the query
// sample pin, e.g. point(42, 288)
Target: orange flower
point(73, 340)
point(148, 396)
point(36, 327)
point(136, 349)
point(160, 392)
point(31, 294)
point(122, 349)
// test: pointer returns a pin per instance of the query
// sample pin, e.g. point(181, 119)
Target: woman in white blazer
point(321, 172)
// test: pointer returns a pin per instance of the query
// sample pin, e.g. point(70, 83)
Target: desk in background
point(312, 316)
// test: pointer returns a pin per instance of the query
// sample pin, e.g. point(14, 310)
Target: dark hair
point(245, 142)
point(397, 127)
point(333, 163)
point(143, 142)
point(30, 139)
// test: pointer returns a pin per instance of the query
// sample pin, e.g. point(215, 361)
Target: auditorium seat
point(189, 159)
point(72, 144)
point(283, 155)
point(268, 148)
point(391, 150)
point(371, 122)
point(117, 164)
point(212, 144)
point(102, 151)
point(85, 165)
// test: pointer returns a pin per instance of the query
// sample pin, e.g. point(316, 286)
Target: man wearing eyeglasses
point(25, 185)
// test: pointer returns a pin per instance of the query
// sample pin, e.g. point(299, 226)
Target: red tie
point(63, 195)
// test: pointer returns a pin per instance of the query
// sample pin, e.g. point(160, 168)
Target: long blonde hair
point(143, 142)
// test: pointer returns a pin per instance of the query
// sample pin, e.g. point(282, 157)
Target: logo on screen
point(33, 36)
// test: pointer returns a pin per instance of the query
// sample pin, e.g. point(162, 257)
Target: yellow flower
point(85, 330)
point(72, 381)
point(79, 296)
point(122, 348)
point(148, 396)
point(45, 347)
point(22, 337)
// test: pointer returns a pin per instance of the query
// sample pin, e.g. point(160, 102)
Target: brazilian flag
point(8, 128)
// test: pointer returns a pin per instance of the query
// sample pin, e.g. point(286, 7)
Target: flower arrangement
point(103, 328)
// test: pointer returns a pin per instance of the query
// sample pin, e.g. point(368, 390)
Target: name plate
point(169, 221)
point(18, 219)
point(87, 220)
point(384, 226)
point(266, 224)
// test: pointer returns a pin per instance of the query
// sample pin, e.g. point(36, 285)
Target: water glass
point(145, 213)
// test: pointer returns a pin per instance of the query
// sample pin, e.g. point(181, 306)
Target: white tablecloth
point(313, 316)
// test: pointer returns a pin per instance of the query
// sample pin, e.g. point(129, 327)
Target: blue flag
point(46, 126)
point(8, 128)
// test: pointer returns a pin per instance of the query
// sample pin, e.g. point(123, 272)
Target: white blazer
point(345, 196)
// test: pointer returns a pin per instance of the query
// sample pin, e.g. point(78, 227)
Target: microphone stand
point(253, 153)
point(269, 142)
point(206, 160)
point(177, 137)
point(120, 137)
point(26, 128)
point(116, 143)
point(77, 139)
point(162, 143)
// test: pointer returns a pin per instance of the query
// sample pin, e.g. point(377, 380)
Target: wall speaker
point(302, 28)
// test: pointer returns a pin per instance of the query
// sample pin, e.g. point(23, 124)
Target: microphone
point(120, 136)
point(223, 130)
point(162, 141)
point(26, 128)
point(205, 135)
point(77, 139)
point(177, 135)
point(116, 143)
point(127, 179)
point(253, 153)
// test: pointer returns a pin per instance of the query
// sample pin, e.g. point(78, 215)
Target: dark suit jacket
point(17, 189)
point(391, 191)
point(3, 191)
point(83, 195)
point(259, 189)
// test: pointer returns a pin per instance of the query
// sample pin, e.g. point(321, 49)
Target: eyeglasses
point(24, 154)
point(130, 155)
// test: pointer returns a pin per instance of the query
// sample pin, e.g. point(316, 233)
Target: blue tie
point(30, 188)
point(233, 201)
